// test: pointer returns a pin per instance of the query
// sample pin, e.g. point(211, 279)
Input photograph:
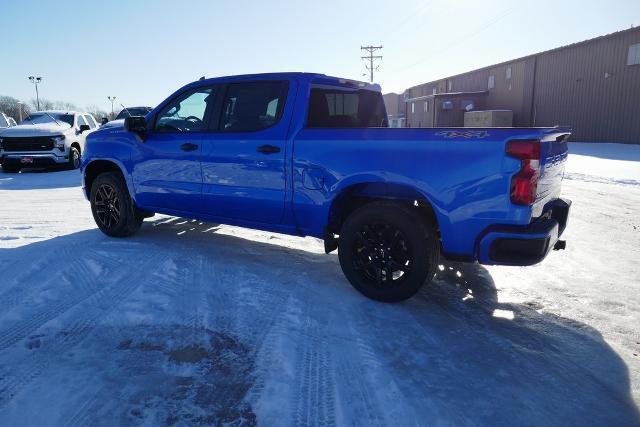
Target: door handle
point(268, 149)
point(188, 147)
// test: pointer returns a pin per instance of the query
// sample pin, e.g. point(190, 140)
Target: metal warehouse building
point(592, 86)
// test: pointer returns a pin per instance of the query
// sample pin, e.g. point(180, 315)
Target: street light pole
point(112, 99)
point(20, 110)
point(36, 81)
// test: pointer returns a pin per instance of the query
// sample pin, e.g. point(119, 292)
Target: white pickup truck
point(45, 139)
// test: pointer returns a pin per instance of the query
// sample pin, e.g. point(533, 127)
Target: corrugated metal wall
point(591, 88)
point(587, 86)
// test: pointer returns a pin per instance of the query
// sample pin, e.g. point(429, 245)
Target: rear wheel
point(387, 251)
point(112, 207)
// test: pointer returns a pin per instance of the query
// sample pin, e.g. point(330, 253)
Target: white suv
point(46, 138)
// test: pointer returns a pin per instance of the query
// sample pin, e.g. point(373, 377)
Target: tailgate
point(553, 156)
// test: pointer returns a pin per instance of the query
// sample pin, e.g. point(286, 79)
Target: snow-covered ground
point(191, 322)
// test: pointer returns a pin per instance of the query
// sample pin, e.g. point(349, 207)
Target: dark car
point(133, 111)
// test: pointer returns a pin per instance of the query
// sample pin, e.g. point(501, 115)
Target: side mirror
point(135, 124)
point(104, 121)
point(84, 128)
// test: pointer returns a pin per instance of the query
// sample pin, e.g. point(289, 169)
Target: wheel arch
point(355, 195)
point(97, 166)
point(76, 145)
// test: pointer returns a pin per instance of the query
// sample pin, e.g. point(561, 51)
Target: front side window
point(633, 57)
point(253, 106)
point(346, 108)
point(186, 113)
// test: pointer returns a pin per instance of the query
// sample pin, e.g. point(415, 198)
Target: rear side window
point(92, 124)
point(339, 108)
point(253, 106)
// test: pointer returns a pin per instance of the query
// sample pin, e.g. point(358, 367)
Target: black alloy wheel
point(382, 254)
point(112, 207)
point(107, 205)
point(388, 250)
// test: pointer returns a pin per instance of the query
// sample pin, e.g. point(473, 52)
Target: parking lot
point(191, 322)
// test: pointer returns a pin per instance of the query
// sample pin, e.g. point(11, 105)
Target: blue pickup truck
point(311, 155)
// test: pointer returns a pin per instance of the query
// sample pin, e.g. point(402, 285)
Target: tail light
point(524, 184)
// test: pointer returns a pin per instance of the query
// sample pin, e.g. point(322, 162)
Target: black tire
point(10, 168)
point(74, 158)
point(112, 207)
point(388, 251)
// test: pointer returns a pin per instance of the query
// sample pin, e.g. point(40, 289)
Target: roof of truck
point(58, 112)
point(311, 77)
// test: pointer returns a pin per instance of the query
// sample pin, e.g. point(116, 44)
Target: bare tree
point(45, 104)
point(96, 112)
point(11, 107)
point(61, 105)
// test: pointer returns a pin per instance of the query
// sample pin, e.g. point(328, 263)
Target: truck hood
point(114, 124)
point(40, 129)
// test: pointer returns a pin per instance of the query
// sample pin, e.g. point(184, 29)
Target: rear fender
point(372, 187)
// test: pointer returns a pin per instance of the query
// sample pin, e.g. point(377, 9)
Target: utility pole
point(112, 99)
point(36, 81)
point(371, 58)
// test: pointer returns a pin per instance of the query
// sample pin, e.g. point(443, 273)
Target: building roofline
point(522, 58)
point(448, 94)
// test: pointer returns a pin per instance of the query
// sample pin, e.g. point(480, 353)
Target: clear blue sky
point(142, 51)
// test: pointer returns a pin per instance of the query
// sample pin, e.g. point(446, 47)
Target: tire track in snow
point(39, 273)
point(315, 391)
point(357, 395)
point(107, 299)
point(24, 327)
point(174, 284)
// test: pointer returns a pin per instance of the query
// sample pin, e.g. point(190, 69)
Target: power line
point(371, 58)
point(497, 18)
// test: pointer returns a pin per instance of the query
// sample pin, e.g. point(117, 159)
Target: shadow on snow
point(454, 352)
point(31, 179)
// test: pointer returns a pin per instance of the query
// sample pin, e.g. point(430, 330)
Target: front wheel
point(112, 207)
point(74, 158)
point(388, 251)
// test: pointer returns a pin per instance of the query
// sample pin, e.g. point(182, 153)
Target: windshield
point(39, 118)
point(135, 111)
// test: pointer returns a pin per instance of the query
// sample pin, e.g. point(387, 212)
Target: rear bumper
point(509, 245)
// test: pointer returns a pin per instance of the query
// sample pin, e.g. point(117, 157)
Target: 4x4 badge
point(463, 133)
